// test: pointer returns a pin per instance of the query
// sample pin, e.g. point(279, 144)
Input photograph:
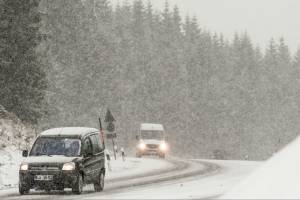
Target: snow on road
point(135, 166)
point(202, 186)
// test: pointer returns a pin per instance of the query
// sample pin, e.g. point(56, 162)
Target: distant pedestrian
point(108, 159)
point(123, 154)
point(116, 149)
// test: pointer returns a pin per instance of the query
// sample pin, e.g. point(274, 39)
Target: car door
point(88, 159)
point(98, 152)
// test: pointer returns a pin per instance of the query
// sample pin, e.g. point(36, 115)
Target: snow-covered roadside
point(10, 159)
point(14, 135)
point(277, 178)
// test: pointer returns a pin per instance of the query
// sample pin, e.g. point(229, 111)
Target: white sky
point(262, 19)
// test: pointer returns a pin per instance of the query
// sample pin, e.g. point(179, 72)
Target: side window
point(87, 146)
point(97, 147)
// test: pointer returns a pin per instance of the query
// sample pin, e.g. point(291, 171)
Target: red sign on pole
point(101, 133)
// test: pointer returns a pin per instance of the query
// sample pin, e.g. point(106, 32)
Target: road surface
point(182, 179)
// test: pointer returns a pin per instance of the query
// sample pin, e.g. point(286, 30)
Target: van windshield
point(147, 134)
point(56, 146)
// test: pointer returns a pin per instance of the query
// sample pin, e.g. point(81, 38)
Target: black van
point(64, 158)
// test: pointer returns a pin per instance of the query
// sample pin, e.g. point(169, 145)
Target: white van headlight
point(163, 147)
point(68, 166)
point(24, 167)
point(142, 146)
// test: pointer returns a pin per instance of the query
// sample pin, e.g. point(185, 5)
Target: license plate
point(43, 177)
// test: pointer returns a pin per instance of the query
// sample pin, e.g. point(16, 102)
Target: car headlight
point(163, 147)
point(142, 146)
point(24, 167)
point(68, 166)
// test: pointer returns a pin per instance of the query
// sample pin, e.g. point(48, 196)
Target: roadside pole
point(101, 133)
point(113, 142)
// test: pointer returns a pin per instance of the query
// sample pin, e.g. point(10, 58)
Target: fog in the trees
point(214, 96)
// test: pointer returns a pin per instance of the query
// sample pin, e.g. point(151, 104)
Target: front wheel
point(138, 155)
point(48, 190)
point(99, 185)
point(162, 156)
point(23, 189)
point(77, 188)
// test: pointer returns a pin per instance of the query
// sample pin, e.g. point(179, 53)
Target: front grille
point(43, 168)
point(152, 146)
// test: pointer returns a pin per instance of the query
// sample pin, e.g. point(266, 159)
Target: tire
point(99, 185)
point(61, 189)
point(138, 155)
point(77, 188)
point(48, 190)
point(162, 156)
point(23, 190)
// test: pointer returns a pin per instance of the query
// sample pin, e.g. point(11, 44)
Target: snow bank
point(15, 136)
point(10, 159)
point(14, 133)
point(278, 178)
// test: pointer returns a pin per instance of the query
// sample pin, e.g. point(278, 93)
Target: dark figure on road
point(108, 159)
point(123, 154)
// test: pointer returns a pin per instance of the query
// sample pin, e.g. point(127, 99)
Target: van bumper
point(61, 179)
point(150, 152)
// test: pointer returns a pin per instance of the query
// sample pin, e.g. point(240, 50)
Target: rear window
point(56, 146)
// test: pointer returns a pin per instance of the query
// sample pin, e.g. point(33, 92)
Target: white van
point(151, 140)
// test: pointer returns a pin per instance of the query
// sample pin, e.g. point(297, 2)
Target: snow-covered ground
point(10, 159)
point(278, 178)
point(14, 135)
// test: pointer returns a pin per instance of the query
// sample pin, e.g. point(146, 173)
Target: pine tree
point(296, 60)
point(22, 75)
point(284, 60)
point(152, 67)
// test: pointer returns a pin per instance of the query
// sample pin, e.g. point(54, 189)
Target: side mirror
point(25, 153)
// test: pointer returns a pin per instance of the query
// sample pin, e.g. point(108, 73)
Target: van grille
point(152, 146)
point(44, 168)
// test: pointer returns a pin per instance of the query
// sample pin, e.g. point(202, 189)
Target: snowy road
point(223, 176)
point(175, 179)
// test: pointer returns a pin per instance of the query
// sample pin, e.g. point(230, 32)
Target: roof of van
point(152, 127)
point(68, 131)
